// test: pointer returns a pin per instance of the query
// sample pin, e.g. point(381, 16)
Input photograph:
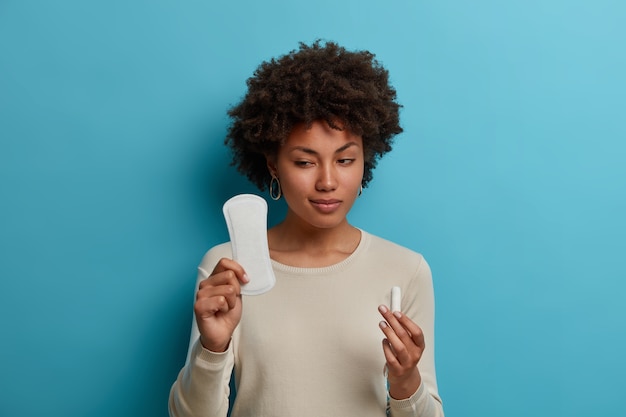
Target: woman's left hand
point(403, 346)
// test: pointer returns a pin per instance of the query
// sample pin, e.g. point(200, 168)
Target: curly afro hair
point(316, 82)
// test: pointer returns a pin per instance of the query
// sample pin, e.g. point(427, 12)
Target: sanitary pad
point(246, 218)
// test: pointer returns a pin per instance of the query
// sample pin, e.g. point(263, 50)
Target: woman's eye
point(303, 163)
point(345, 161)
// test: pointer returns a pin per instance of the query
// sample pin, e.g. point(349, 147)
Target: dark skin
point(320, 170)
point(218, 305)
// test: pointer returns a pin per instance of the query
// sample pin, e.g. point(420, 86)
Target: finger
point(226, 277)
point(226, 264)
point(400, 331)
point(407, 331)
point(230, 292)
point(399, 347)
point(390, 356)
point(209, 306)
point(408, 347)
point(416, 333)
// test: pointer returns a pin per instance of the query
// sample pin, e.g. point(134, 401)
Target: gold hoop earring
point(275, 190)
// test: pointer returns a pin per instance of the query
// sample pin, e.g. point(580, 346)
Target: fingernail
point(397, 314)
point(245, 278)
point(383, 309)
point(383, 325)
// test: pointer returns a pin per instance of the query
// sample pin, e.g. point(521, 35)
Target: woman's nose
point(327, 180)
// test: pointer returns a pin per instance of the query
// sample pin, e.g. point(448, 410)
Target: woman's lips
point(326, 206)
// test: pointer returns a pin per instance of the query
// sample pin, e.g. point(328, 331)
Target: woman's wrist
point(215, 348)
point(404, 387)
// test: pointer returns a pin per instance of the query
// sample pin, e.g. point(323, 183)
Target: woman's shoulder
point(400, 261)
point(217, 252)
point(389, 247)
point(393, 253)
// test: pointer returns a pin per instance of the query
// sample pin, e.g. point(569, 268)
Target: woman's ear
point(271, 165)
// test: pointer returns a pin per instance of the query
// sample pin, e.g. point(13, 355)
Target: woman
point(311, 128)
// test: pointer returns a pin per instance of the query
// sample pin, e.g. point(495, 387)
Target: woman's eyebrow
point(303, 149)
point(314, 152)
point(346, 146)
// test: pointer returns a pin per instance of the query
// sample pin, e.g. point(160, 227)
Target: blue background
point(510, 178)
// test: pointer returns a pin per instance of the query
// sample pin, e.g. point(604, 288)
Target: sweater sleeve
point(419, 305)
point(421, 404)
point(202, 387)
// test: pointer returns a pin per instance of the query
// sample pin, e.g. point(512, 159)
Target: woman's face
point(320, 171)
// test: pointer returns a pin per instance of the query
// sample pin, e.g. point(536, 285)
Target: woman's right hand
point(218, 304)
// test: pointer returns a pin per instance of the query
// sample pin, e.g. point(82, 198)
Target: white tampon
point(396, 296)
point(246, 218)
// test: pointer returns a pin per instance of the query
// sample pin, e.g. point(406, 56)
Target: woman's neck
point(302, 245)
